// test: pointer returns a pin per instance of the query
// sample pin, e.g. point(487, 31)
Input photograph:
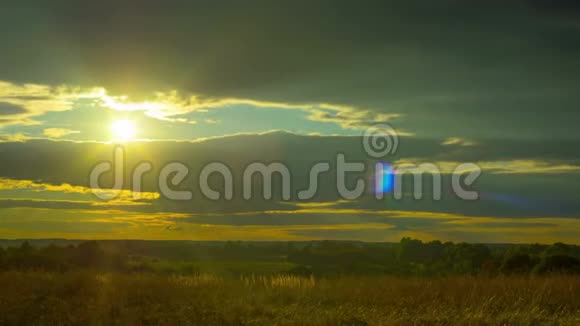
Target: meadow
point(95, 298)
point(295, 283)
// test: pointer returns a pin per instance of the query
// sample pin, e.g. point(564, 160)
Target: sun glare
point(123, 130)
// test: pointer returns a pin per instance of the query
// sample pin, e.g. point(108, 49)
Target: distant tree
point(558, 264)
point(558, 248)
point(88, 254)
point(26, 248)
point(465, 258)
point(537, 249)
point(412, 250)
point(435, 250)
point(517, 264)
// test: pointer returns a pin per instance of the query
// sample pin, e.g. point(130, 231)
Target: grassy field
point(86, 298)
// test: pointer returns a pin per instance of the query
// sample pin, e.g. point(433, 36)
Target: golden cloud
point(121, 197)
point(58, 132)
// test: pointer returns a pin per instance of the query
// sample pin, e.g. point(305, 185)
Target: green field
point(311, 283)
point(89, 298)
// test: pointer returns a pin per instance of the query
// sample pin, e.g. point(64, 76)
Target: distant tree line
point(435, 258)
point(88, 254)
point(409, 257)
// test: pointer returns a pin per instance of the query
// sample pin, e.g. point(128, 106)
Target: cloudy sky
point(297, 83)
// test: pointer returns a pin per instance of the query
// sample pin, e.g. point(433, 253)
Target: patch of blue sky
point(93, 123)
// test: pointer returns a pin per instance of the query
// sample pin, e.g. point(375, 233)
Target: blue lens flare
point(384, 178)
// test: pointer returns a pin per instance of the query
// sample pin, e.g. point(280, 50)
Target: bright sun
point(123, 130)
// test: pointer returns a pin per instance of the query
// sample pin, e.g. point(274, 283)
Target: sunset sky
point(483, 82)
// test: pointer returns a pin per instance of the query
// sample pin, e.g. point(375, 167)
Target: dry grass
point(123, 299)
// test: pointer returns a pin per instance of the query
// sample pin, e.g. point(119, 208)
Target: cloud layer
point(487, 82)
point(443, 68)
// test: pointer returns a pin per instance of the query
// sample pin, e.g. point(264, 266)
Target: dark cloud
point(501, 77)
point(52, 204)
point(10, 109)
point(69, 205)
point(71, 162)
point(285, 219)
point(522, 192)
point(562, 7)
point(451, 68)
